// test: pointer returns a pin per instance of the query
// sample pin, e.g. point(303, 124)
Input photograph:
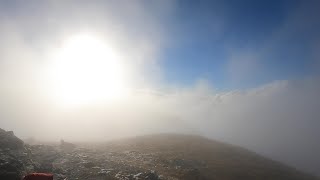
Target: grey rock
point(9, 141)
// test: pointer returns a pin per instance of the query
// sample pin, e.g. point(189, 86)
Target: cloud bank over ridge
point(279, 119)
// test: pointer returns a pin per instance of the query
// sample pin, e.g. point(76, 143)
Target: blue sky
point(231, 44)
point(277, 35)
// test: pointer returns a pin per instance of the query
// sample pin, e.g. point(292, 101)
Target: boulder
point(66, 146)
point(9, 141)
point(14, 157)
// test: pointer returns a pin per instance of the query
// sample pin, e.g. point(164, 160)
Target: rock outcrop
point(14, 156)
point(9, 141)
point(66, 146)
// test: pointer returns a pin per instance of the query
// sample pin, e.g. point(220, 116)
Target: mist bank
point(279, 120)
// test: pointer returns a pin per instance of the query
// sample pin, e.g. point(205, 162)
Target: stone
point(9, 141)
point(66, 146)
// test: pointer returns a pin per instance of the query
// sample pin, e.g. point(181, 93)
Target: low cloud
point(279, 120)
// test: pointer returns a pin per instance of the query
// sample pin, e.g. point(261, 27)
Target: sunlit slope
point(195, 157)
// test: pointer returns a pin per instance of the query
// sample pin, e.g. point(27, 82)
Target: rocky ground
point(67, 161)
point(64, 161)
point(166, 157)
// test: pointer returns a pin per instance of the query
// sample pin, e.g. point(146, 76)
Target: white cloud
point(279, 120)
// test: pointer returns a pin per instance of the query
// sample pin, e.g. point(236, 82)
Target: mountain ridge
point(153, 157)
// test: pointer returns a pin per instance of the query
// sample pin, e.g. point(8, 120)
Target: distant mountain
point(150, 157)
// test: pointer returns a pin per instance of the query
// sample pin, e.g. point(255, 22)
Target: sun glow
point(87, 70)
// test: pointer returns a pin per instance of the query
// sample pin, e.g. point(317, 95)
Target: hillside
point(153, 157)
point(195, 157)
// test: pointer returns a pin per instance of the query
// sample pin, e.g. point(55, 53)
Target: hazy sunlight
point(86, 70)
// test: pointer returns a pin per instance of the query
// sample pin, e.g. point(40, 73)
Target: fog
point(279, 119)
